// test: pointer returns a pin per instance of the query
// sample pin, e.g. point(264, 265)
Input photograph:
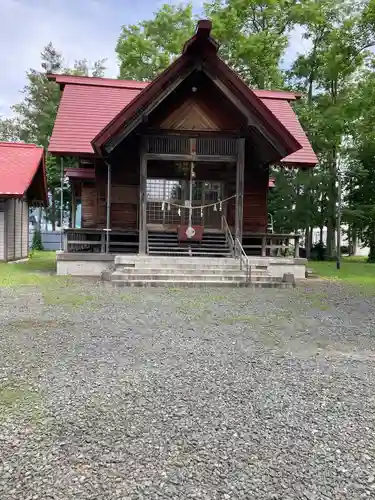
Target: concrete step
point(178, 277)
point(161, 260)
point(186, 277)
point(199, 284)
point(194, 268)
point(185, 253)
point(181, 270)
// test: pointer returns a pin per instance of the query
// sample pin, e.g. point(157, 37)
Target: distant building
point(22, 184)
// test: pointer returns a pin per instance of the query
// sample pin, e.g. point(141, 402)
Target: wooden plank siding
point(124, 201)
point(11, 227)
point(25, 229)
point(125, 194)
point(2, 230)
point(255, 200)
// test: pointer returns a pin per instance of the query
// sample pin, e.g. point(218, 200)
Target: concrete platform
point(270, 269)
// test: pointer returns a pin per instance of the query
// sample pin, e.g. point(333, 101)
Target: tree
point(9, 129)
point(36, 113)
point(146, 49)
point(359, 210)
point(254, 35)
point(339, 34)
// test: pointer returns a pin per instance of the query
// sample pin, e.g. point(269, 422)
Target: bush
point(371, 255)
point(318, 252)
point(37, 241)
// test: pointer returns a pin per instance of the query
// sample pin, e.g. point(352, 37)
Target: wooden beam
point(188, 157)
point(143, 199)
point(115, 141)
point(251, 120)
point(240, 175)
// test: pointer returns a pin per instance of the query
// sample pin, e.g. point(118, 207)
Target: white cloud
point(78, 28)
point(26, 26)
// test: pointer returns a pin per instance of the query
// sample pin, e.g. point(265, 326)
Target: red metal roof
point(62, 80)
point(89, 104)
point(19, 166)
point(83, 112)
point(284, 112)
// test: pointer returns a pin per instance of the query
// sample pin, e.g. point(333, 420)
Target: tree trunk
point(53, 210)
point(331, 247)
point(308, 241)
point(331, 206)
point(39, 221)
point(321, 234)
point(354, 242)
point(371, 255)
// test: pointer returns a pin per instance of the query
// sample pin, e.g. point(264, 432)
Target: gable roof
point(92, 109)
point(22, 167)
point(201, 49)
point(87, 107)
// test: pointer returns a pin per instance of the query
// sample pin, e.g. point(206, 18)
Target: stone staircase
point(179, 271)
point(167, 244)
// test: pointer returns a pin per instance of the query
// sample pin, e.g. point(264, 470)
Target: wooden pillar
point(108, 222)
point(240, 175)
point(61, 201)
point(143, 200)
point(74, 203)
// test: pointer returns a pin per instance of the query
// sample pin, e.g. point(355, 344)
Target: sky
point(78, 29)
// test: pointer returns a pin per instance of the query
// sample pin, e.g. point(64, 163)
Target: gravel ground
point(158, 394)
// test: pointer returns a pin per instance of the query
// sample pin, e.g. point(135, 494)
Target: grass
point(18, 398)
point(40, 272)
point(39, 269)
point(354, 271)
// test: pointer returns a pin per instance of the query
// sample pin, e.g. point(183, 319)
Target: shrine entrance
point(169, 202)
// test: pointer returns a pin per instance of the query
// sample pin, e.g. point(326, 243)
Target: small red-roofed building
point(22, 184)
point(177, 166)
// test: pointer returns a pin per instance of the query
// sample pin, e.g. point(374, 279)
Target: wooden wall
point(124, 198)
point(255, 200)
point(125, 192)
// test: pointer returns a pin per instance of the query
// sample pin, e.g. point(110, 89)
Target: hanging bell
point(163, 206)
point(215, 208)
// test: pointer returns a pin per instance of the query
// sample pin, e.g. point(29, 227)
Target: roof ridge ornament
point(201, 39)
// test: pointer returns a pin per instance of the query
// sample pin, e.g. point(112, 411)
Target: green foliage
point(145, 49)
point(36, 113)
point(253, 35)
point(37, 243)
point(9, 129)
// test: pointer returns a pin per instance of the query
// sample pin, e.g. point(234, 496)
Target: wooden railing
point(94, 240)
point(274, 244)
point(205, 146)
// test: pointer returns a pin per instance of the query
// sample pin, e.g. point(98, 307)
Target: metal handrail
point(244, 259)
point(228, 235)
